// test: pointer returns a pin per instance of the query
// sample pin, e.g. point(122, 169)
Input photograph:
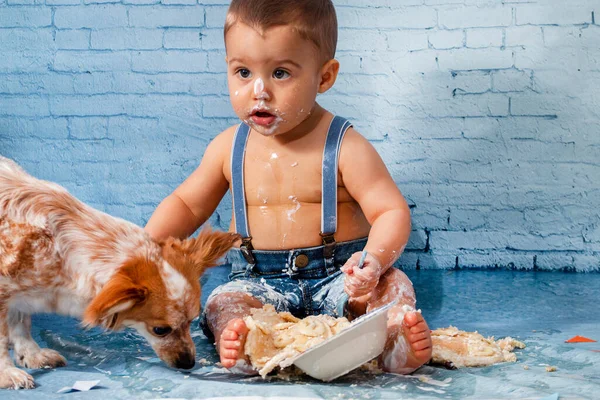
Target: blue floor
point(543, 309)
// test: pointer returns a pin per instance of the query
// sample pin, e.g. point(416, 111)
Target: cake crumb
point(525, 367)
point(550, 368)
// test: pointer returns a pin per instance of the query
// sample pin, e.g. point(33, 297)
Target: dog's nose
point(185, 361)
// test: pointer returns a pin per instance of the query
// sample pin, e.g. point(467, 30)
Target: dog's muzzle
point(185, 361)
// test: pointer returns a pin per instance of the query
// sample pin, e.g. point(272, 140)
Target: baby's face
point(273, 78)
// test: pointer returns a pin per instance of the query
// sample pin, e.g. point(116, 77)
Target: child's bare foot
point(409, 347)
point(231, 344)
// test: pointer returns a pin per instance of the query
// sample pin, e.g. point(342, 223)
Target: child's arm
point(193, 202)
point(368, 181)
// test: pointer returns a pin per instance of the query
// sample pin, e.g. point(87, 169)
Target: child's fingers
point(351, 263)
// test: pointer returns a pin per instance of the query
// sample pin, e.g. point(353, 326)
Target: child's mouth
point(262, 118)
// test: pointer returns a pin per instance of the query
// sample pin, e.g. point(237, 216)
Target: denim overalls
point(305, 281)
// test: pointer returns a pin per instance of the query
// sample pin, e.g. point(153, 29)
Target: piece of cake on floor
point(455, 349)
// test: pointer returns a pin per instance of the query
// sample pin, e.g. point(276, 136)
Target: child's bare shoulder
point(358, 157)
point(222, 143)
point(355, 145)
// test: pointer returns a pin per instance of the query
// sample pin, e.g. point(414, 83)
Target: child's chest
point(280, 176)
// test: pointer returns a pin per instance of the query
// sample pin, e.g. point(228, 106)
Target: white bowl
point(360, 342)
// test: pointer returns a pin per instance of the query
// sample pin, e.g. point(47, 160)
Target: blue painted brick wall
point(486, 112)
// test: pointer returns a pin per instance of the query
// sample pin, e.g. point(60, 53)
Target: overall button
point(301, 261)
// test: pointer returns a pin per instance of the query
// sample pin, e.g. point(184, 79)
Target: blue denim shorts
point(296, 280)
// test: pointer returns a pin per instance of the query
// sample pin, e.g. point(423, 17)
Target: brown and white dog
point(59, 255)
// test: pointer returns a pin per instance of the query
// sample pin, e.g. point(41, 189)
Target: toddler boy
point(309, 192)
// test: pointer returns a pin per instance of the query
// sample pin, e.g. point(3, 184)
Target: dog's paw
point(14, 378)
point(43, 358)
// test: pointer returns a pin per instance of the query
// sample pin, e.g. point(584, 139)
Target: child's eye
point(281, 74)
point(244, 73)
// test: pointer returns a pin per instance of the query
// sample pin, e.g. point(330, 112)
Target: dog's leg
point(10, 376)
point(27, 352)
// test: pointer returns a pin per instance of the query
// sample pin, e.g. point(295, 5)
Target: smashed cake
point(275, 339)
point(455, 349)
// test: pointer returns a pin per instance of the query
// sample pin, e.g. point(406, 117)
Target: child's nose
point(260, 92)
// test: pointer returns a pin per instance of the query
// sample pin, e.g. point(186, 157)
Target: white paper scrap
point(80, 386)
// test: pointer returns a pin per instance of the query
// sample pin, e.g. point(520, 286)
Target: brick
point(496, 260)
point(380, 3)
point(33, 83)
point(559, 59)
point(88, 105)
point(217, 107)
point(484, 37)
point(477, 105)
point(571, 36)
point(467, 82)
point(25, 62)
point(141, 2)
point(167, 17)
point(212, 39)
point(511, 81)
point(126, 39)
point(586, 262)
point(524, 36)
point(490, 240)
point(558, 14)
point(179, 2)
point(91, 61)
point(215, 16)
point(532, 104)
point(384, 63)
point(470, 17)
point(92, 16)
point(395, 18)
point(417, 240)
point(62, 2)
point(88, 128)
point(24, 2)
point(37, 128)
point(30, 106)
point(447, 39)
point(553, 261)
point(183, 39)
point(432, 218)
point(100, 1)
point(470, 59)
point(436, 260)
point(133, 105)
point(216, 61)
point(371, 40)
point(63, 150)
point(25, 17)
point(169, 61)
point(72, 39)
point(405, 41)
point(26, 40)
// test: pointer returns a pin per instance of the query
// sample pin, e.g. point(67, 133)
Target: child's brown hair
point(315, 20)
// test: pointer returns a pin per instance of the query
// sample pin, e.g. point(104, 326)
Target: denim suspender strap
point(238, 193)
point(335, 134)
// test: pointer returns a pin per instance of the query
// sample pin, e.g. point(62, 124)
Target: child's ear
point(204, 251)
point(329, 73)
point(119, 294)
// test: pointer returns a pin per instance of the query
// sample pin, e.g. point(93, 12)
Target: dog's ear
point(119, 294)
point(203, 251)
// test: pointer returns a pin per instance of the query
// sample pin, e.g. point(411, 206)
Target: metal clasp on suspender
point(246, 249)
point(328, 243)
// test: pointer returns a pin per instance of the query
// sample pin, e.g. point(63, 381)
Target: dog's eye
point(162, 330)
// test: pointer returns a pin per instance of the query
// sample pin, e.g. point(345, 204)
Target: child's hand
point(360, 282)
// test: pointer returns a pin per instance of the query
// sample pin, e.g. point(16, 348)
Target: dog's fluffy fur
point(59, 255)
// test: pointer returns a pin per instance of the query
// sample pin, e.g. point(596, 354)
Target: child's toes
point(415, 321)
